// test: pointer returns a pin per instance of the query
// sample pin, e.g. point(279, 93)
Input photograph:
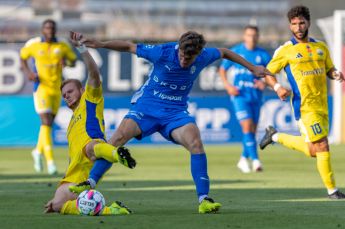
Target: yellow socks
point(46, 142)
point(324, 166)
point(106, 211)
point(39, 146)
point(106, 151)
point(70, 208)
point(294, 142)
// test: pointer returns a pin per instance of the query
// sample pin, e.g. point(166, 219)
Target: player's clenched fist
point(283, 93)
point(337, 75)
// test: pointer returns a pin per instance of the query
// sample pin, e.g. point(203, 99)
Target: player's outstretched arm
point(259, 71)
point(334, 74)
point(94, 79)
point(117, 45)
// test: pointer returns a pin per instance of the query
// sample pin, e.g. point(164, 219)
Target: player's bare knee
point(118, 139)
point(196, 146)
point(323, 146)
point(89, 150)
point(311, 151)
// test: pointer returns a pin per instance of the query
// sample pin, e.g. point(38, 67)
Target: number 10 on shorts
point(316, 128)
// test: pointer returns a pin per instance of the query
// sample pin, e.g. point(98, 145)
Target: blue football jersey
point(244, 79)
point(169, 84)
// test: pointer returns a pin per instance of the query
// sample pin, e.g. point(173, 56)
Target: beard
point(303, 36)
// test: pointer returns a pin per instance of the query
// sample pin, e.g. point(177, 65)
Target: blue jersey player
point(246, 94)
point(160, 105)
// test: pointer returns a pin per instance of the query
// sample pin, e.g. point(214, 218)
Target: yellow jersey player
point(49, 54)
point(90, 156)
point(307, 64)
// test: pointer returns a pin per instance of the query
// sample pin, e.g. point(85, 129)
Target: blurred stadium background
point(156, 21)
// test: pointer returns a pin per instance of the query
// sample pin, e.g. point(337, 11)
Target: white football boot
point(52, 170)
point(38, 160)
point(257, 166)
point(243, 165)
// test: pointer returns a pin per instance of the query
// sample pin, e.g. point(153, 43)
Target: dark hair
point(254, 27)
point(75, 81)
point(191, 42)
point(49, 21)
point(298, 11)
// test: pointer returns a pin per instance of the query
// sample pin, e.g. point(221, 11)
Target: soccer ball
point(90, 202)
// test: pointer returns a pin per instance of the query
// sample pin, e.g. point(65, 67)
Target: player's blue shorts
point(162, 120)
point(245, 109)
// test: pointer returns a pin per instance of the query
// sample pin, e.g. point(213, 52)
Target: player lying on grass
point(90, 155)
point(160, 105)
point(307, 63)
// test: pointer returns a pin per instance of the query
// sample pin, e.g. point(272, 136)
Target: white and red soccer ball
point(90, 202)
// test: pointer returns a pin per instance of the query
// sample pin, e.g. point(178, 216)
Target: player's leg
point(65, 202)
point(249, 145)
point(127, 130)
point(103, 155)
point(45, 107)
point(47, 120)
point(290, 141)
point(244, 116)
point(97, 149)
point(189, 136)
point(256, 163)
point(320, 149)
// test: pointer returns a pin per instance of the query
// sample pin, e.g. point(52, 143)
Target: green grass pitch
point(160, 191)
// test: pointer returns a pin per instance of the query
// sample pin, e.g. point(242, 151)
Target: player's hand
point(232, 90)
point(75, 38)
point(91, 42)
point(33, 77)
point(49, 207)
point(261, 71)
point(283, 93)
point(338, 76)
point(259, 84)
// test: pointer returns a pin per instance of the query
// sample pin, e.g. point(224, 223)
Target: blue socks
point(198, 165)
point(249, 144)
point(98, 170)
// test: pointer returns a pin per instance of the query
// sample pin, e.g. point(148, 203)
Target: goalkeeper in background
point(90, 155)
point(307, 63)
point(49, 55)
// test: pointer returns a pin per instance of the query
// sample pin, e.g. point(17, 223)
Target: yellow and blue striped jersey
point(87, 121)
point(48, 61)
point(306, 66)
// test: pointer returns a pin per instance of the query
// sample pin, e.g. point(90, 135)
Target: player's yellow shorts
point(46, 101)
point(313, 126)
point(79, 167)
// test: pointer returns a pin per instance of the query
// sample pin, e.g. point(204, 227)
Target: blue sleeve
point(212, 54)
point(150, 52)
point(266, 58)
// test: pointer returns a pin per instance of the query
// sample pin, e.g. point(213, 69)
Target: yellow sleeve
point(93, 94)
point(328, 61)
point(25, 52)
point(278, 61)
point(69, 53)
